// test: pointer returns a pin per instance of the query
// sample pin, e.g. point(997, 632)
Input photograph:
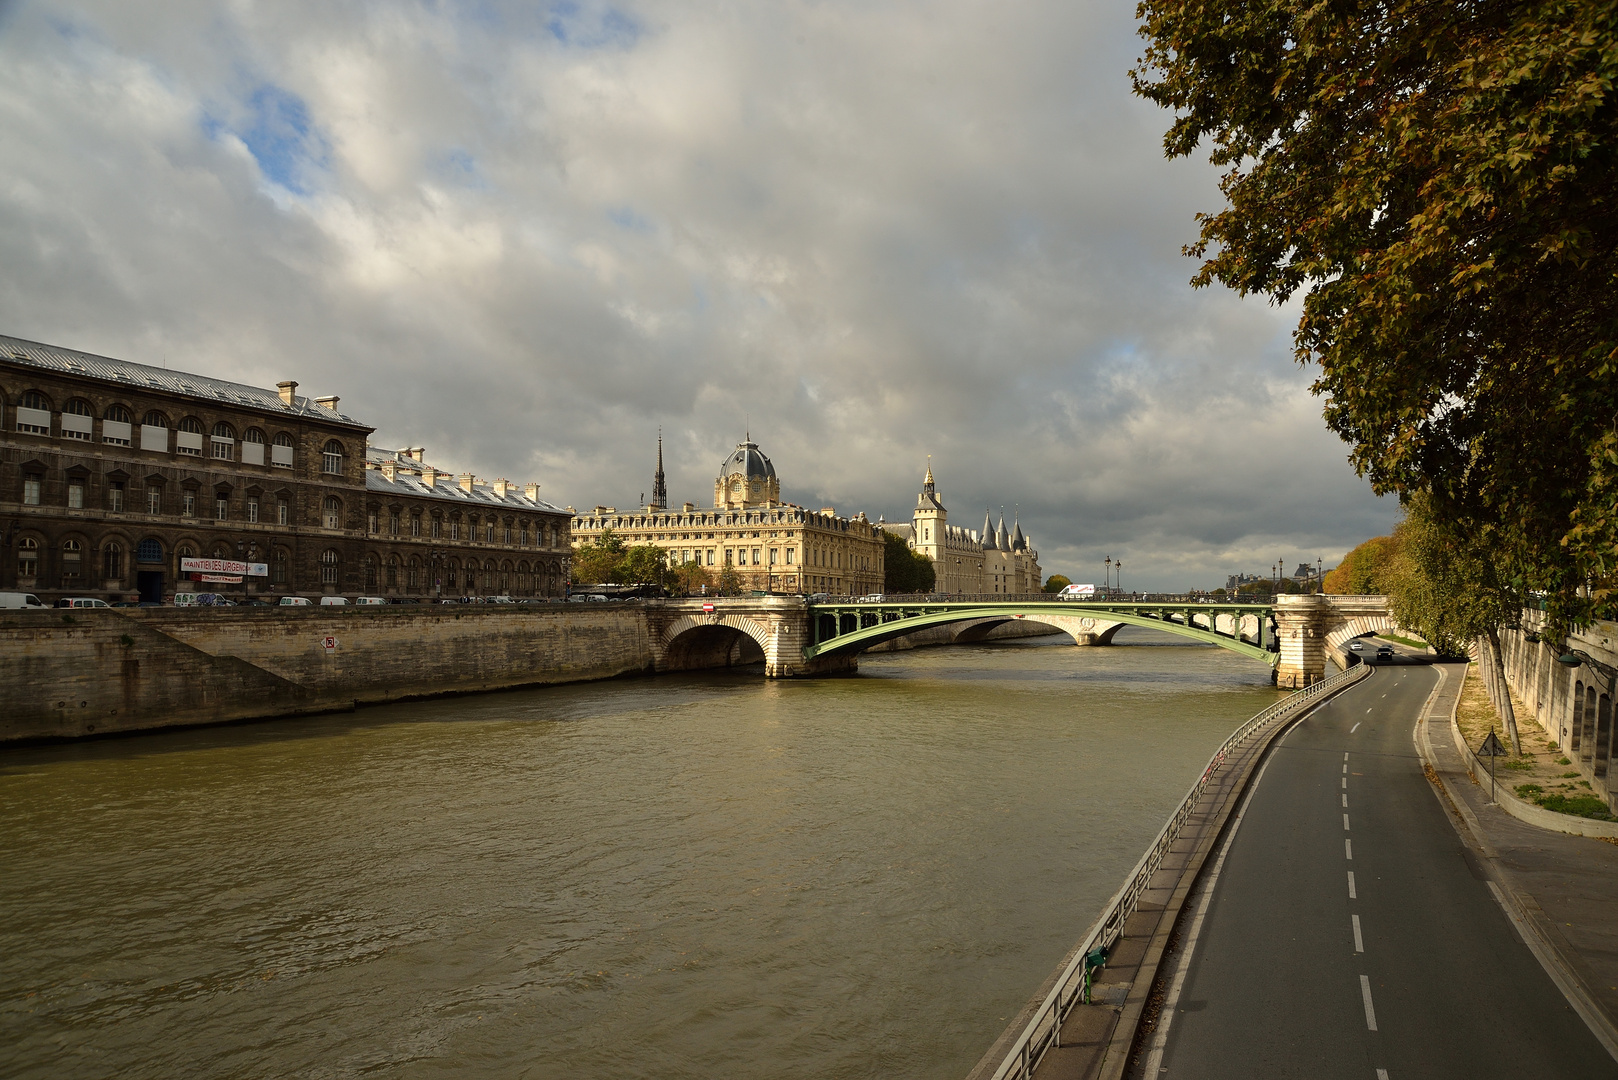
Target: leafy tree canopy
point(905, 571)
point(1363, 571)
point(1438, 179)
point(1056, 583)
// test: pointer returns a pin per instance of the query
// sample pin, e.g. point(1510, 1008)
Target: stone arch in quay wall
point(693, 642)
point(1337, 639)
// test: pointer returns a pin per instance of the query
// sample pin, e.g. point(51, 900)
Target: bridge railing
point(1043, 1031)
point(1101, 597)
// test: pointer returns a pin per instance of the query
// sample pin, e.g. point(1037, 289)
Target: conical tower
point(1018, 543)
point(928, 523)
point(660, 491)
point(988, 530)
point(1002, 539)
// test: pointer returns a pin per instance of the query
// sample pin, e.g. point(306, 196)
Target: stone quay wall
point(68, 674)
point(1573, 705)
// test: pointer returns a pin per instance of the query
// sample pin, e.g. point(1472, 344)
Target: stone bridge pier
point(1311, 628)
point(772, 629)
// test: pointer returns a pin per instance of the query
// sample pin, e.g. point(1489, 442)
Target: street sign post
point(1491, 746)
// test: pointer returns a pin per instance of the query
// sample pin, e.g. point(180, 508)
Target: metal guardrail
point(1043, 1031)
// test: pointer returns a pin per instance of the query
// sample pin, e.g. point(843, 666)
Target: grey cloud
point(872, 232)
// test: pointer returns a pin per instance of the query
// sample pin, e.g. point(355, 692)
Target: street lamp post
point(1107, 582)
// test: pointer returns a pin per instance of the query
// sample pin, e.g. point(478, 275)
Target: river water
point(707, 876)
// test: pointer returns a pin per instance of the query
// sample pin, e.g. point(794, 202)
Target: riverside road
point(1351, 934)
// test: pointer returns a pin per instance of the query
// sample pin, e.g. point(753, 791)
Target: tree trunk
point(1502, 704)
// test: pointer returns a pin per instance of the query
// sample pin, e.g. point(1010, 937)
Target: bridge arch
point(691, 643)
point(1337, 640)
point(1084, 630)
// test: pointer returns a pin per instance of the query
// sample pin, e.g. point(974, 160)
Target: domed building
point(774, 546)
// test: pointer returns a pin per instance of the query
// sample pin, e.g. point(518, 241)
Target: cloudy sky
point(527, 235)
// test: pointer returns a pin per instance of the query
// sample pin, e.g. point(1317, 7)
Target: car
point(26, 601)
point(1384, 652)
point(404, 600)
point(294, 601)
point(201, 599)
point(367, 601)
point(81, 601)
point(334, 601)
point(873, 598)
point(1356, 645)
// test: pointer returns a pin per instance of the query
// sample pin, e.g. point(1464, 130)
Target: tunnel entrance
point(711, 647)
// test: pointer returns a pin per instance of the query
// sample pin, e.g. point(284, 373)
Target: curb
point(1542, 938)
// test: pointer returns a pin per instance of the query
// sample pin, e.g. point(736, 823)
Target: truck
point(1077, 592)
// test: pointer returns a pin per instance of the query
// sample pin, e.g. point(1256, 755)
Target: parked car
point(294, 601)
point(20, 601)
point(404, 600)
point(334, 601)
point(367, 601)
point(81, 601)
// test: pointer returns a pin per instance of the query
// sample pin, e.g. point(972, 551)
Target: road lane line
point(1345, 782)
point(1359, 942)
point(1345, 758)
point(1370, 1010)
point(1345, 819)
point(1356, 726)
point(1348, 850)
point(1382, 1074)
point(1351, 895)
point(1372, 707)
point(1345, 799)
point(1345, 770)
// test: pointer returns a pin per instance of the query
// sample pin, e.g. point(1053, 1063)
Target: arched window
point(252, 447)
point(281, 451)
point(452, 574)
point(149, 550)
point(224, 442)
point(78, 420)
point(253, 435)
point(34, 413)
point(332, 516)
point(370, 573)
point(189, 439)
point(27, 557)
point(329, 560)
point(393, 571)
point(331, 458)
point(117, 426)
point(413, 574)
point(155, 419)
point(112, 561)
point(72, 561)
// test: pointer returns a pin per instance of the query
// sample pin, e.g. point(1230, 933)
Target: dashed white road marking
point(1382, 1074)
point(1348, 850)
point(1345, 799)
point(1345, 758)
point(1345, 770)
point(1356, 726)
point(1345, 819)
point(1351, 895)
point(1372, 707)
point(1370, 1010)
point(1359, 942)
point(1345, 781)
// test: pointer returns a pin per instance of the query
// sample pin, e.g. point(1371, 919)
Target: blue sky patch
point(592, 28)
point(626, 218)
point(276, 130)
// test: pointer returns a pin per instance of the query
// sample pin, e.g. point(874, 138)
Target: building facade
point(113, 472)
point(987, 563)
point(774, 546)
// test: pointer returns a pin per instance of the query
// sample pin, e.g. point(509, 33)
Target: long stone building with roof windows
point(112, 473)
point(986, 563)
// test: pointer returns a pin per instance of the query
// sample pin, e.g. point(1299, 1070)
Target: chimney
point(429, 476)
point(288, 391)
point(502, 486)
point(417, 452)
point(328, 402)
point(388, 470)
point(532, 491)
point(687, 508)
point(467, 480)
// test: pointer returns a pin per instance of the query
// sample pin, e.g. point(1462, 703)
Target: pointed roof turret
point(1018, 543)
point(660, 491)
point(1002, 540)
point(928, 499)
point(988, 531)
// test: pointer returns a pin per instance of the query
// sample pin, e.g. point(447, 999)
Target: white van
point(81, 601)
point(19, 600)
point(294, 601)
point(334, 601)
point(366, 601)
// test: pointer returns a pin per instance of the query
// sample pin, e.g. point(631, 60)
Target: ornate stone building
point(969, 563)
point(112, 472)
point(775, 546)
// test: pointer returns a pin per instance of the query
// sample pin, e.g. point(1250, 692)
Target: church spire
point(660, 491)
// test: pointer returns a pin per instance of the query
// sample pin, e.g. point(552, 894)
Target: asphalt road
point(1351, 934)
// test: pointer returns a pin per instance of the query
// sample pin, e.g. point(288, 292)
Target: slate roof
point(144, 377)
point(448, 487)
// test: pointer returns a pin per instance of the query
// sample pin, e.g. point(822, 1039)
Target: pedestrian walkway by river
point(686, 876)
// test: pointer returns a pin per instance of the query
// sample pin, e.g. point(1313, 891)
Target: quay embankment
point(89, 672)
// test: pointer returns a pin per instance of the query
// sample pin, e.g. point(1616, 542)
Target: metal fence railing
point(1072, 986)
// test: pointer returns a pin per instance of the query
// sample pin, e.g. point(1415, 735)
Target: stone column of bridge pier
point(789, 634)
point(1301, 626)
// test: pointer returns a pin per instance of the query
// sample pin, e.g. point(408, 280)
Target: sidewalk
point(1559, 889)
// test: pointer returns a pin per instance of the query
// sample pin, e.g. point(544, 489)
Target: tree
point(690, 577)
point(904, 570)
point(598, 560)
point(1447, 586)
point(1439, 181)
point(1056, 583)
point(730, 581)
point(1362, 570)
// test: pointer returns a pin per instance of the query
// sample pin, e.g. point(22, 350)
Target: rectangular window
point(789, 556)
point(252, 509)
point(283, 512)
point(508, 534)
point(437, 528)
point(224, 449)
point(280, 456)
point(117, 432)
point(370, 522)
point(115, 496)
point(755, 556)
point(34, 421)
point(252, 453)
point(773, 553)
point(154, 437)
point(221, 509)
point(393, 524)
point(415, 524)
point(75, 494)
point(188, 443)
point(188, 504)
point(154, 500)
point(488, 533)
point(523, 534)
point(30, 490)
point(455, 530)
point(75, 426)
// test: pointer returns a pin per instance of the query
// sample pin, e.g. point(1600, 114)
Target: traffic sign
point(1491, 747)
point(707, 607)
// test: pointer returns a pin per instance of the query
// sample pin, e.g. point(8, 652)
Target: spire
point(927, 483)
point(1017, 541)
point(660, 491)
point(988, 530)
point(1002, 541)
